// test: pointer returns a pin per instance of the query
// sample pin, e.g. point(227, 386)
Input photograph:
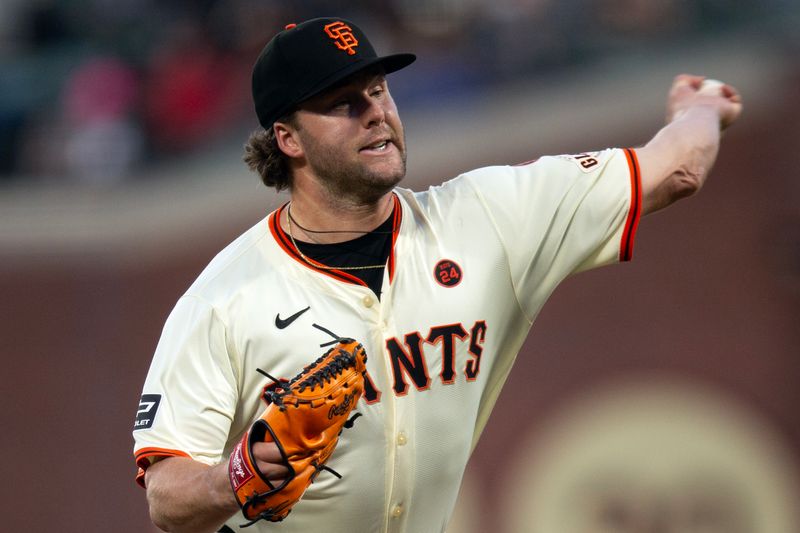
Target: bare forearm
point(677, 161)
point(187, 496)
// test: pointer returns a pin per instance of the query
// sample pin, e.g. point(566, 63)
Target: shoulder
point(235, 266)
point(560, 164)
point(514, 183)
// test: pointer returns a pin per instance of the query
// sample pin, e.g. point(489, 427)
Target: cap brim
point(390, 63)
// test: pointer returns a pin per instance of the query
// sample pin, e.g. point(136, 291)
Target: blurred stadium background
point(658, 396)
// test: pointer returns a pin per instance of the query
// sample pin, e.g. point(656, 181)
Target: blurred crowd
point(92, 90)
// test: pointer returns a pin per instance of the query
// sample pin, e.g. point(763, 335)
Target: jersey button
point(401, 439)
point(368, 301)
point(397, 510)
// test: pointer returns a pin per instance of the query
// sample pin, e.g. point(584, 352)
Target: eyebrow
point(371, 75)
point(333, 92)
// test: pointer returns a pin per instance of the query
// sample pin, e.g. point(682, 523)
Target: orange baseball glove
point(304, 417)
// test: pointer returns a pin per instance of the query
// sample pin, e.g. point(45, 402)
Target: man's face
point(352, 138)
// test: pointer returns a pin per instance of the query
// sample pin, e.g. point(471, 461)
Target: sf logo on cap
point(343, 36)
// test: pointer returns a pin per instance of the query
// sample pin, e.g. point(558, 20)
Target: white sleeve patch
point(587, 162)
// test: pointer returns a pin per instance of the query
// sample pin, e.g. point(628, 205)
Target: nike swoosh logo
point(281, 323)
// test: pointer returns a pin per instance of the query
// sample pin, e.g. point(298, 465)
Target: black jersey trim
point(635, 210)
point(285, 242)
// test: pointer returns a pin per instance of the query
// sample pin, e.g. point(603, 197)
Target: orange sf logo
point(343, 36)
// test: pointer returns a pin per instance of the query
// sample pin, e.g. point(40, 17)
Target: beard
point(350, 179)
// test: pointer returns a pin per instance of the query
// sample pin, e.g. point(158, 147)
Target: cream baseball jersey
point(473, 261)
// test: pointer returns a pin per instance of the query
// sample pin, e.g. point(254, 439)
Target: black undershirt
point(372, 248)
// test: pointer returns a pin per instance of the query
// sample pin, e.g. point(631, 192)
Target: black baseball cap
point(305, 59)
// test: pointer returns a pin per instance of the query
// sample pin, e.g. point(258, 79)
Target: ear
point(288, 140)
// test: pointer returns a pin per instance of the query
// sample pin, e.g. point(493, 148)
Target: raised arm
point(678, 159)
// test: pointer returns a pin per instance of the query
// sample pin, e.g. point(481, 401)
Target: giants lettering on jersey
point(586, 162)
point(409, 364)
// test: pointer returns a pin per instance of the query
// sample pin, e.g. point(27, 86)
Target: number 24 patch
point(447, 273)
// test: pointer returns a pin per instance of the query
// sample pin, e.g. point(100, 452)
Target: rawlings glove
point(304, 417)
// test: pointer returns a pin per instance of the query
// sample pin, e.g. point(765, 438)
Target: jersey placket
point(374, 315)
point(399, 434)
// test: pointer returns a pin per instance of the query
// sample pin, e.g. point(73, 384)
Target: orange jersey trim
point(398, 218)
point(143, 459)
point(635, 210)
point(285, 242)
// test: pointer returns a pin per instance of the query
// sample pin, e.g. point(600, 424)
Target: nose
point(373, 113)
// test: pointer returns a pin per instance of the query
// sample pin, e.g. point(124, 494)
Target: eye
point(377, 91)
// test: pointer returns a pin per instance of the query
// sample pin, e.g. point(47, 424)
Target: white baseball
point(711, 87)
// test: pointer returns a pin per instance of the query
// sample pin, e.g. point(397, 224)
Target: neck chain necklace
point(296, 223)
point(316, 264)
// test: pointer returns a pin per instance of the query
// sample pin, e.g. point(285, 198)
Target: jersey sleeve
point(560, 215)
point(190, 393)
